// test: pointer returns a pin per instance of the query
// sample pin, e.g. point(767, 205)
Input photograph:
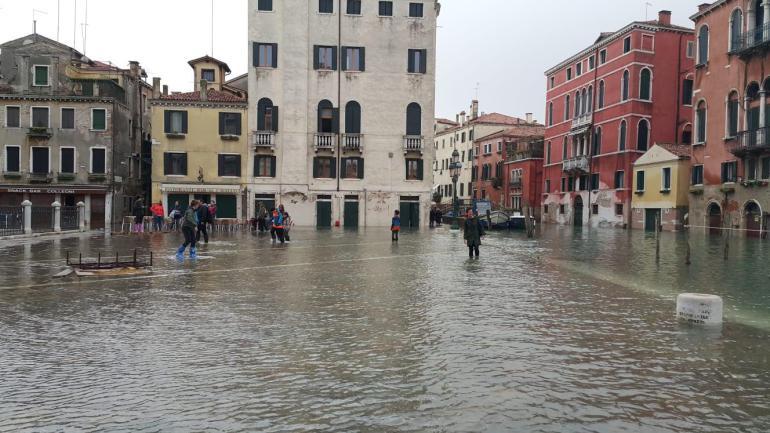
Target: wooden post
point(99, 260)
point(134, 257)
point(657, 238)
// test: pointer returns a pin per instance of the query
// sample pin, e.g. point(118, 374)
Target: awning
point(201, 188)
point(54, 189)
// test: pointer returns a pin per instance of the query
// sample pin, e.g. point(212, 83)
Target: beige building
point(661, 187)
point(341, 107)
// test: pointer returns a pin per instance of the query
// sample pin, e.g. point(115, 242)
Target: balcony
point(65, 176)
point(40, 177)
point(582, 121)
point(325, 141)
point(748, 142)
point(578, 164)
point(97, 177)
point(353, 142)
point(37, 132)
point(515, 182)
point(263, 139)
point(413, 143)
point(751, 42)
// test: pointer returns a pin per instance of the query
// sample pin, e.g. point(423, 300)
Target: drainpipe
point(339, 91)
point(678, 90)
point(591, 136)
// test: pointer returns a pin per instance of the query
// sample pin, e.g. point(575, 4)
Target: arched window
point(590, 99)
point(736, 30)
point(548, 153)
point(413, 119)
point(564, 153)
point(267, 115)
point(687, 134)
point(601, 94)
point(353, 118)
point(596, 146)
point(326, 117)
point(622, 135)
point(733, 104)
point(550, 114)
point(703, 45)
point(566, 107)
point(645, 85)
point(643, 135)
point(577, 103)
point(624, 86)
point(583, 102)
point(700, 123)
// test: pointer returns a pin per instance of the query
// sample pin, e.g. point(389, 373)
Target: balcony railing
point(576, 164)
point(264, 139)
point(413, 143)
point(515, 181)
point(757, 140)
point(39, 132)
point(37, 177)
point(581, 121)
point(325, 141)
point(748, 41)
point(353, 142)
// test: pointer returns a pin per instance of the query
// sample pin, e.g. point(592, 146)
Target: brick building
point(731, 152)
point(523, 175)
point(605, 106)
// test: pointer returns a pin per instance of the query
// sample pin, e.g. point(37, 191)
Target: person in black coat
point(203, 219)
point(473, 233)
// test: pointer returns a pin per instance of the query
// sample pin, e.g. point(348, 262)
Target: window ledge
point(417, 73)
point(230, 137)
point(97, 130)
point(175, 175)
point(175, 135)
point(266, 68)
point(352, 72)
point(639, 192)
point(12, 175)
point(730, 138)
point(230, 177)
point(354, 15)
point(385, 16)
point(665, 191)
point(699, 144)
point(264, 177)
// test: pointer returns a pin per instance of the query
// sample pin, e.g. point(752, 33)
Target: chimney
point(457, 118)
point(204, 88)
point(703, 6)
point(156, 88)
point(133, 67)
point(529, 117)
point(165, 90)
point(664, 18)
point(474, 109)
point(463, 118)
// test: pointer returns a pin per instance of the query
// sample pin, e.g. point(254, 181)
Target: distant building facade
point(522, 181)
point(605, 107)
point(661, 182)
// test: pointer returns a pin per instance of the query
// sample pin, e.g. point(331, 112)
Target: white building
point(460, 136)
point(355, 91)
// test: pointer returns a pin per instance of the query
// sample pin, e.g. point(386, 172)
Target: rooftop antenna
point(34, 19)
point(646, 9)
point(212, 28)
point(75, 26)
point(84, 26)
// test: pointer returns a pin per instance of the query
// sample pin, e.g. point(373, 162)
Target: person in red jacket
point(158, 215)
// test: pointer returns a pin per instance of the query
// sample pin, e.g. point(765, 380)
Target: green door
point(650, 215)
point(227, 206)
point(351, 214)
point(183, 199)
point(410, 215)
point(323, 210)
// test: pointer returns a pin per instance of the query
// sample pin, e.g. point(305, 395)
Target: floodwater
point(338, 331)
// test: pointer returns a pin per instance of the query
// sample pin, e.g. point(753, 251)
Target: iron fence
point(11, 220)
point(70, 218)
point(42, 219)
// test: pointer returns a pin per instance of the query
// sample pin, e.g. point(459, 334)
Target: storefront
point(228, 198)
point(96, 199)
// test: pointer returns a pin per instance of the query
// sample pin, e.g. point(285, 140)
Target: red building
point(488, 172)
point(731, 152)
point(523, 175)
point(605, 106)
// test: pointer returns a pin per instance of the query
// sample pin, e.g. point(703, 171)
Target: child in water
point(395, 226)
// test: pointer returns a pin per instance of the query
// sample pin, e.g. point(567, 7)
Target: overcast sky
point(503, 45)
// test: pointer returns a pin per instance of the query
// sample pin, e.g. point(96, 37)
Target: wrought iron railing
point(750, 39)
point(11, 220)
point(42, 219)
point(578, 163)
point(754, 140)
point(515, 181)
point(70, 218)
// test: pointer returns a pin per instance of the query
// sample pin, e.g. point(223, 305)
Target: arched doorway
point(714, 219)
point(753, 215)
point(578, 211)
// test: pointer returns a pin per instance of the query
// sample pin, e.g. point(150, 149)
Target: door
point(714, 219)
point(753, 220)
point(410, 214)
point(578, 210)
point(183, 199)
point(650, 217)
point(268, 203)
point(227, 206)
point(323, 212)
point(97, 212)
point(351, 214)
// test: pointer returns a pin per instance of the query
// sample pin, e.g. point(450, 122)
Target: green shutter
point(238, 123)
point(410, 61)
point(255, 53)
point(272, 166)
point(334, 58)
point(424, 63)
point(333, 164)
point(344, 58)
point(336, 120)
point(360, 168)
point(315, 168)
point(343, 165)
point(275, 118)
point(184, 122)
point(316, 66)
point(184, 164)
point(275, 55)
point(167, 121)
point(362, 57)
point(420, 164)
point(221, 165)
point(222, 123)
point(166, 164)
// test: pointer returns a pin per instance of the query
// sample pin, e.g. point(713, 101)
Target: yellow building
point(661, 187)
point(199, 148)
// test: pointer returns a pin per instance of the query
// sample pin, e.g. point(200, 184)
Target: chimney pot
point(204, 88)
point(664, 18)
point(529, 117)
point(155, 87)
point(165, 90)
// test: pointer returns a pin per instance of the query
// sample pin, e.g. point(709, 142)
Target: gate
point(351, 212)
point(11, 220)
point(70, 218)
point(42, 219)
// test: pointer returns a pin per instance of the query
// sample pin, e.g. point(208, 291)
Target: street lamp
point(454, 170)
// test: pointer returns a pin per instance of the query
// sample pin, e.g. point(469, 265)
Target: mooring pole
point(150, 258)
point(117, 259)
point(99, 260)
point(657, 238)
point(134, 257)
point(68, 257)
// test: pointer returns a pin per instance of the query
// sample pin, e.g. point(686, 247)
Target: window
point(645, 85)
point(414, 169)
point(40, 76)
point(590, 99)
point(328, 118)
point(499, 147)
point(595, 209)
point(67, 160)
point(729, 171)
point(643, 135)
point(229, 123)
point(564, 150)
point(687, 134)
point(547, 186)
point(570, 184)
point(736, 27)
point(175, 164)
point(353, 59)
point(765, 168)
point(417, 62)
point(577, 104)
point(619, 209)
point(175, 122)
point(352, 168)
point(595, 181)
point(414, 119)
point(325, 168)
point(620, 179)
point(700, 123)
point(352, 118)
point(98, 119)
point(386, 8)
point(622, 136)
point(579, 69)
point(470, 135)
point(415, 10)
point(602, 57)
point(690, 49)
point(751, 169)
point(601, 94)
point(627, 44)
point(229, 165)
point(462, 137)
point(566, 107)
point(596, 146)
point(563, 184)
point(703, 45)
point(640, 181)
point(325, 6)
point(552, 82)
point(264, 5)
point(40, 160)
point(267, 115)
point(12, 159)
point(550, 114)
point(696, 175)
point(208, 75)
point(624, 86)
point(67, 118)
point(687, 86)
point(569, 74)
point(12, 117)
point(354, 7)
point(99, 160)
point(40, 117)
point(548, 153)
point(733, 105)
point(562, 209)
point(325, 58)
point(591, 63)
point(265, 55)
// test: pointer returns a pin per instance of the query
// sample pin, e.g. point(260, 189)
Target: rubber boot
point(193, 253)
point(180, 252)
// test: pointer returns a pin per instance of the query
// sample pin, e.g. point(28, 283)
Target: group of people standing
point(276, 221)
point(435, 216)
point(207, 216)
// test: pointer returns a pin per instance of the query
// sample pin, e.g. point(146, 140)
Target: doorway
point(323, 212)
point(651, 216)
point(410, 212)
point(351, 212)
point(578, 211)
point(753, 220)
point(714, 218)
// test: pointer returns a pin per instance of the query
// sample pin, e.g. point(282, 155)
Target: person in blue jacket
point(395, 226)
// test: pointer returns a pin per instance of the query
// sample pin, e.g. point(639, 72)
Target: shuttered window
point(41, 76)
point(326, 6)
point(414, 169)
point(174, 164)
point(98, 119)
point(353, 59)
point(640, 180)
point(229, 123)
point(265, 55)
point(175, 122)
point(354, 7)
point(40, 117)
point(229, 165)
point(386, 8)
point(324, 168)
point(415, 10)
point(264, 166)
point(418, 60)
point(265, 5)
point(729, 171)
point(352, 168)
point(98, 160)
point(696, 175)
point(12, 117)
point(325, 58)
point(67, 118)
point(40, 160)
point(12, 162)
point(67, 160)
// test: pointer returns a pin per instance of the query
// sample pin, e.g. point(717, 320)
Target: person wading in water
point(473, 233)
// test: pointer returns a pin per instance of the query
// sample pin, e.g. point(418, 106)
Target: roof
point(498, 119)
point(707, 8)
point(532, 130)
point(209, 59)
point(680, 150)
point(445, 121)
point(213, 96)
point(40, 38)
